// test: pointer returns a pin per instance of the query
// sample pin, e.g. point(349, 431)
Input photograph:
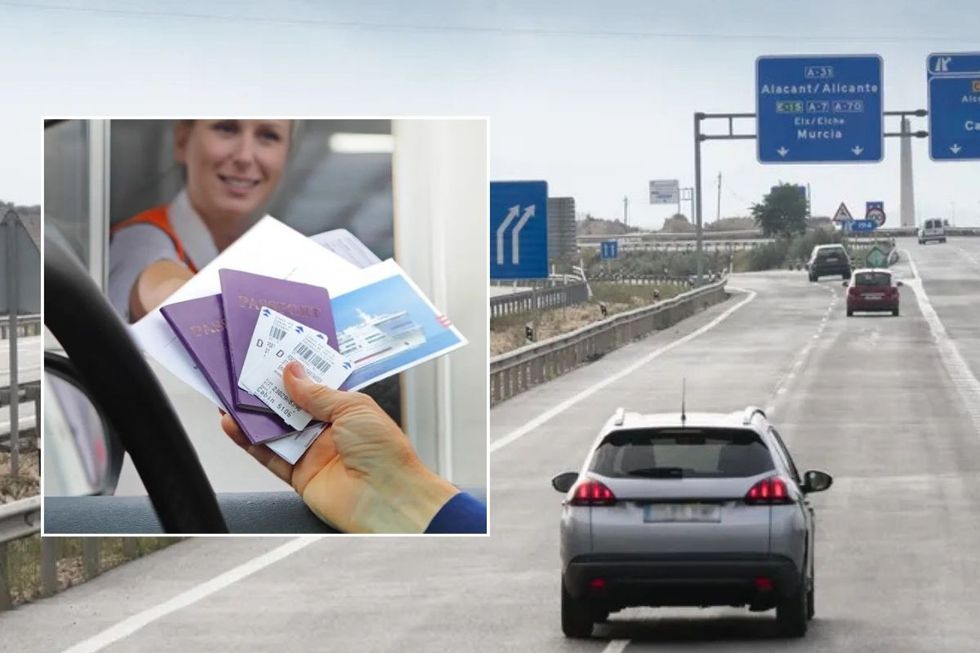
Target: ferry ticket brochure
point(322, 363)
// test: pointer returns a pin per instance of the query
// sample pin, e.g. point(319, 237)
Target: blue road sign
point(875, 211)
point(863, 225)
point(518, 229)
point(819, 109)
point(609, 249)
point(954, 106)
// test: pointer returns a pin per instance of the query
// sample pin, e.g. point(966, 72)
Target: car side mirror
point(564, 482)
point(82, 456)
point(816, 481)
point(899, 284)
point(845, 283)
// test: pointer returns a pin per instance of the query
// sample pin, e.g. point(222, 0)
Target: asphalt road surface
point(28, 360)
point(887, 405)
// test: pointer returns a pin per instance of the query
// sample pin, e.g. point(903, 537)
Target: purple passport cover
point(244, 293)
point(200, 325)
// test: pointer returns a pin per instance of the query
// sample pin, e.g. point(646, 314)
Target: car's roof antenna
point(683, 398)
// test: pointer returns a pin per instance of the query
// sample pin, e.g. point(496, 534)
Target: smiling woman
point(232, 167)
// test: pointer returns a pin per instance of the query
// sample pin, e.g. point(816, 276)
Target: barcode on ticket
point(311, 357)
point(276, 333)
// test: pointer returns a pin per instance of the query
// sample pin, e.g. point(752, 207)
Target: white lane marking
point(554, 411)
point(130, 625)
point(782, 385)
point(959, 372)
point(616, 646)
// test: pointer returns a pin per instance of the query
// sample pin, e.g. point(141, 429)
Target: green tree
point(782, 211)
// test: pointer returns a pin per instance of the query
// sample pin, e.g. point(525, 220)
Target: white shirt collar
point(192, 232)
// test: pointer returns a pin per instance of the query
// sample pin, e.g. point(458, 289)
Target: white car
point(932, 229)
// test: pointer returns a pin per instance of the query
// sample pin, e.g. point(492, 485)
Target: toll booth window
point(66, 184)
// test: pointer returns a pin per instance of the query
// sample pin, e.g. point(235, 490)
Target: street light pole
point(697, 192)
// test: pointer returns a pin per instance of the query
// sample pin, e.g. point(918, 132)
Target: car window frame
point(784, 455)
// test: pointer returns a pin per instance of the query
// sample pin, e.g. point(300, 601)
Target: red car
point(872, 290)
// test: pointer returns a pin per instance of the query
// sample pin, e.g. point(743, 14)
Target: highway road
point(889, 406)
point(28, 360)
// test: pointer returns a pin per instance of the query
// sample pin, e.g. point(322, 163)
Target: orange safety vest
point(157, 217)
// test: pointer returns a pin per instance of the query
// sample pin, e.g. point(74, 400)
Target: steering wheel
point(120, 382)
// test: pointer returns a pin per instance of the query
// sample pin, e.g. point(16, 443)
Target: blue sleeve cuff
point(461, 514)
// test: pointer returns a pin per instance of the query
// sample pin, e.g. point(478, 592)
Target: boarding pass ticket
point(322, 363)
point(270, 328)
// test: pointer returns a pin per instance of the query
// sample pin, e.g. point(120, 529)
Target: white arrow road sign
point(516, 255)
point(514, 210)
point(782, 151)
point(955, 148)
point(857, 149)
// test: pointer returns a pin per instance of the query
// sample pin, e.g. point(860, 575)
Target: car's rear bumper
point(680, 580)
point(872, 305)
point(823, 270)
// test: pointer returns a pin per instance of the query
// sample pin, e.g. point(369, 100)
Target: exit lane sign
point(954, 106)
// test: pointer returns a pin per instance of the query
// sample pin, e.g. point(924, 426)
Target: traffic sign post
point(842, 214)
point(664, 191)
point(875, 211)
point(518, 229)
point(819, 109)
point(876, 258)
point(954, 106)
point(609, 249)
point(863, 225)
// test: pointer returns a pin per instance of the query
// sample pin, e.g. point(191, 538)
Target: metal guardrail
point(19, 519)
point(524, 368)
point(539, 298)
point(590, 240)
point(27, 326)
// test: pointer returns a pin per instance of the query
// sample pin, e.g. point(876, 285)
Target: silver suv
point(698, 510)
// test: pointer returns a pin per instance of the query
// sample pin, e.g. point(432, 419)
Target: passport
point(243, 294)
point(200, 326)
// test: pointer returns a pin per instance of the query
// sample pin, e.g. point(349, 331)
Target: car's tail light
point(593, 493)
point(769, 491)
point(764, 584)
point(852, 291)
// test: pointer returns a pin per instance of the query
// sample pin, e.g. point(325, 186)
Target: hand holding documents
point(275, 296)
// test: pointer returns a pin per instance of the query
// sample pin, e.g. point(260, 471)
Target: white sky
point(596, 98)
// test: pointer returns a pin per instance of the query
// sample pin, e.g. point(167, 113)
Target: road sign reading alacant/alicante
point(954, 106)
point(518, 229)
point(819, 109)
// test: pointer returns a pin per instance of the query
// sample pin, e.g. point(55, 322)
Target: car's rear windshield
point(833, 251)
point(872, 279)
point(934, 224)
point(681, 453)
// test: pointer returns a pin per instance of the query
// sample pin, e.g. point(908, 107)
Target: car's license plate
point(681, 512)
point(832, 259)
point(872, 295)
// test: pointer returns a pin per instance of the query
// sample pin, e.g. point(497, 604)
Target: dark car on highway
point(872, 290)
point(829, 259)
